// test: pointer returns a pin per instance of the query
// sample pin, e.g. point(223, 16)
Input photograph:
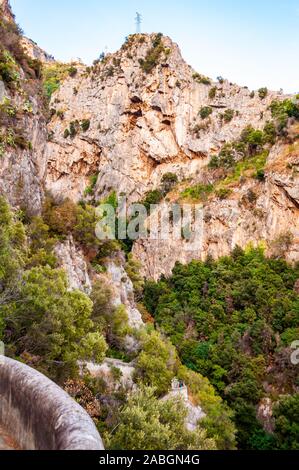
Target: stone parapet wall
point(39, 414)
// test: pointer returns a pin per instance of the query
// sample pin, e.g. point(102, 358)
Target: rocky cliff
point(135, 116)
point(23, 131)
point(142, 125)
point(143, 107)
point(6, 10)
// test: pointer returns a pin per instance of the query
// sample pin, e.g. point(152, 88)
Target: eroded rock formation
point(144, 125)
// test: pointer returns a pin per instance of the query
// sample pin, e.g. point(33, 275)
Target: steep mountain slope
point(144, 124)
point(141, 113)
point(23, 129)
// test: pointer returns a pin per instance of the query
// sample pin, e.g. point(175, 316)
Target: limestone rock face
point(6, 10)
point(142, 125)
point(123, 292)
point(36, 52)
point(22, 171)
point(22, 162)
point(271, 219)
point(130, 119)
point(72, 260)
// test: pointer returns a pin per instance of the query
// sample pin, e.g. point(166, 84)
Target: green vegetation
point(152, 197)
point(153, 54)
point(205, 112)
point(227, 320)
point(212, 92)
point(19, 74)
point(168, 182)
point(85, 125)
point(223, 193)
point(282, 111)
point(41, 320)
point(75, 127)
point(263, 92)
point(8, 68)
point(13, 57)
point(7, 110)
point(199, 192)
point(247, 168)
point(54, 74)
point(50, 327)
point(252, 167)
point(13, 138)
point(156, 363)
point(147, 423)
point(286, 415)
point(80, 220)
point(133, 267)
point(66, 133)
point(90, 189)
point(251, 143)
point(228, 115)
point(201, 79)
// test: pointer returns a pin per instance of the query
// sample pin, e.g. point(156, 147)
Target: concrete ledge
point(39, 414)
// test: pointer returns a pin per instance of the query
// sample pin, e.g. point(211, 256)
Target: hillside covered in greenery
point(50, 327)
point(233, 320)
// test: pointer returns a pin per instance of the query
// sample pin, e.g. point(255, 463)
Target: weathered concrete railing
point(39, 414)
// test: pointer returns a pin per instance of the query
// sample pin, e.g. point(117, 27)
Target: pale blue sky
point(250, 42)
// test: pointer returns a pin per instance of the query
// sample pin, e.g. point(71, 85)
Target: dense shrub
point(270, 133)
point(148, 423)
point(157, 363)
point(8, 68)
point(152, 197)
point(263, 92)
point(60, 217)
point(41, 320)
point(198, 192)
point(212, 92)
point(169, 180)
point(228, 115)
point(54, 74)
point(282, 111)
point(153, 54)
point(85, 125)
point(205, 112)
point(225, 318)
point(286, 414)
point(201, 79)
